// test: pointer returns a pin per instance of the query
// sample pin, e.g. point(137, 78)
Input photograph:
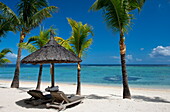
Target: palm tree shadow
point(24, 89)
point(116, 95)
point(93, 96)
point(3, 87)
point(23, 104)
point(149, 99)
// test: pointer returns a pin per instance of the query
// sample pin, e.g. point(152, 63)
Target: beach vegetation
point(3, 53)
point(30, 14)
point(7, 17)
point(118, 16)
point(78, 43)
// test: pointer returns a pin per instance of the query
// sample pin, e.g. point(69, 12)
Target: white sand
point(99, 99)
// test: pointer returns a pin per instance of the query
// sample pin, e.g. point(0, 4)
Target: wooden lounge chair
point(37, 98)
point(61, 101)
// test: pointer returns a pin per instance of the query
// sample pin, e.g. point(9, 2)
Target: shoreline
point(133, 87)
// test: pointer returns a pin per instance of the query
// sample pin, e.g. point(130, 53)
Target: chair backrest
point(36, 94)
point(60, 96)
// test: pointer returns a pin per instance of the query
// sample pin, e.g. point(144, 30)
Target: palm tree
point(79, 44)
point(31, 14)
point(34, 43)
point(118, 17)
point(6, 18)
point(5, 26)
point(4, 60)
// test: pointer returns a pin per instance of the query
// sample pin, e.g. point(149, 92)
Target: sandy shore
point(98, 99)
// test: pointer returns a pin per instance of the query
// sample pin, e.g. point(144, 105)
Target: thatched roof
point(52, 52)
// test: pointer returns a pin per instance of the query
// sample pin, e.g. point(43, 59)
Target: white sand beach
point(98, 99)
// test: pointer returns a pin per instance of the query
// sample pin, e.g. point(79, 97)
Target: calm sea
point(152, 76)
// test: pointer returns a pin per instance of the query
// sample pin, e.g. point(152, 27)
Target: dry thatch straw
point(52, 52)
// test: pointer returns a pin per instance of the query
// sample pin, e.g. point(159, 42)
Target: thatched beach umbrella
point(52, 53)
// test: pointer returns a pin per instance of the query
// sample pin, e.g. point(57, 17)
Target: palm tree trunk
point(52, 74)
point(78, 92)
point(126, 91)
point(15, 82)
point(39, 77)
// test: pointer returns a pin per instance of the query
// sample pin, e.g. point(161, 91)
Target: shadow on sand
point(24, 89)
point(3, 87)
point(149, 99)
point(23, 104)
point(93, 96)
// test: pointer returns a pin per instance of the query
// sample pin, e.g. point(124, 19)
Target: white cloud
point(160, 51)
point(129, 57)
point(141, 49)
point(137, 59)
point(115, 57)
point(11, 55)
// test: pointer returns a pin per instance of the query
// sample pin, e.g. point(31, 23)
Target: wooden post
point(52, 74)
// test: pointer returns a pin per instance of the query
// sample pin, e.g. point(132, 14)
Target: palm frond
point(116, 13)
point(32, 39)
point(64, 43)
point(27, 8)
point(4, 61)
point(5, 51)
point(38, 17)
point(86, 45)
point(2, 55)
point(8, 20)
point(27, 46)
point(7, 12)
point(135, 4)
point(98, 4)
point(79, 40)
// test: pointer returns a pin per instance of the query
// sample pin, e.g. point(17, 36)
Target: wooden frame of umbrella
point(52, 53)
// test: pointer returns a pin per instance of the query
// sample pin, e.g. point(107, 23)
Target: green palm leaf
point(116, 12)
point(64, 43)
point(27, 46)
point(38, 17)
point(7, 12)
point(8, 20)
point(5, 51)
point(78, 40)
point(4, 60)
point(2, 55)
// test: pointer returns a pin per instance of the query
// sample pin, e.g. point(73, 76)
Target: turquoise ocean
point(149, 76)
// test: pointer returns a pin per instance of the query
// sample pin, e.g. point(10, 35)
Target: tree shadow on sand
point(25, 89)
point(93, 96)
point(23, 104)
point(149, 99)
point(3, 87)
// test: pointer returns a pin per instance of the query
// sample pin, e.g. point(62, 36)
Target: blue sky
point(147, 43)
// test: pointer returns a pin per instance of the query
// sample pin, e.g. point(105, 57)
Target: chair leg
point(62, 107)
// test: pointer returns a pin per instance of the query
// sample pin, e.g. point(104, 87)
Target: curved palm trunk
point(15, 82)
point(126, 91)
point(39, 78)
point(78, 92)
